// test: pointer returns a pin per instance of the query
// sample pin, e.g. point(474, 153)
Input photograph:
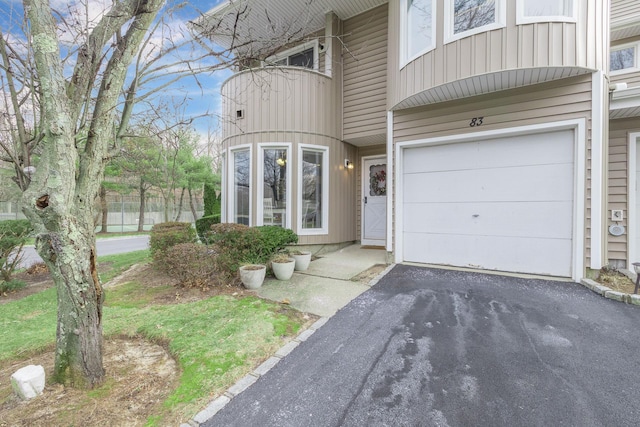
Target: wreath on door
point(378, 182)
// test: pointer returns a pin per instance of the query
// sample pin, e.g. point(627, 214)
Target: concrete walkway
point(327, 285)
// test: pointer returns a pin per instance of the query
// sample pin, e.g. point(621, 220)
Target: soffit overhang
point(625, 103)
point(246, 25)
point(626, 28)
point(488, 83)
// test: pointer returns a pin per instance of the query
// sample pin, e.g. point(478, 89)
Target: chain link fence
point(124, 212)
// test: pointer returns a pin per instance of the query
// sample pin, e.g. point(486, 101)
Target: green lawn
point(215, 340)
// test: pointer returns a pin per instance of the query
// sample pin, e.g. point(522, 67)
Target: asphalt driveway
point(427, 347)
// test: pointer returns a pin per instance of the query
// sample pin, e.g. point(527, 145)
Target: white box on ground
point(28, 382)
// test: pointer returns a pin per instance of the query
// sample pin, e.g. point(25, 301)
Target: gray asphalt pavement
point(427, 347)
point(110, 246)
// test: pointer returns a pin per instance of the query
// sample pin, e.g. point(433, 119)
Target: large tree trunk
point(142, 193)
point(65, 240)
point(59, 200)
point(179, 212)
point(104, 209)
point(193, 207)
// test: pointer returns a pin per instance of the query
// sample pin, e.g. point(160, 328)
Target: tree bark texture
point(59, 200)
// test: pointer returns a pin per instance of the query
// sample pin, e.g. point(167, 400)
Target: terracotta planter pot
point(283, 270)
point(252, 275)
point(302, 260)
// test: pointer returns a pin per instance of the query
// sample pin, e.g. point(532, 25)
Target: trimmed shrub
point(168, 234)
point(191, 263)
point(237, 244)
point(203, 225)
point(275, 239)
point(13, 236)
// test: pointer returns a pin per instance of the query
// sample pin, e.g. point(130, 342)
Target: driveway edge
point(606, 292)
point(243, 383)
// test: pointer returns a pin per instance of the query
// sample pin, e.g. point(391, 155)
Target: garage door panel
point(541, 183)
point(504, 152)
point(514, 254)
point(520, 219)
point(501, 204)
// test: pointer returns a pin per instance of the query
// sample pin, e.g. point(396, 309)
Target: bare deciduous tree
point(71, 81)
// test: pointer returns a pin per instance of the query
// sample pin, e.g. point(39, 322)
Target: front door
point(374, 201)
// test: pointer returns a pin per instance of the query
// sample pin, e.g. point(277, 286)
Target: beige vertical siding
point(556, 44)
point(550, 102)
point(374, 150)
point(365, 74)
point(342, 182)
point(291, 99)
point(618, 182)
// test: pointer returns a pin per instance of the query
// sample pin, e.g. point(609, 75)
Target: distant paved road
point(116, 245)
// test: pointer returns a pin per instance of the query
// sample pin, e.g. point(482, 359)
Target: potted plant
point(283, 265)
point(302, 258)
point(252, 275)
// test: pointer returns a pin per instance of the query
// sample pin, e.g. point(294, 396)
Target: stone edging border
point(610, 294)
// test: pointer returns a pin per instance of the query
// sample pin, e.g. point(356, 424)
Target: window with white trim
point(223, 183)
point(304, 55)
point(464, 18)
point(313, 192)
point(418, 28)
point(624, 59)
point(241, 194)
point(546, 11)
point(274, 194)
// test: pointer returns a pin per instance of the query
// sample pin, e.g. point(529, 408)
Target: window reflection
point(274, 201)
point(312, 203)
point(470, 14)
point(241, 187)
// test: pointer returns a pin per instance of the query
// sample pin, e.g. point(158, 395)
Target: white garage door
point(502, 204)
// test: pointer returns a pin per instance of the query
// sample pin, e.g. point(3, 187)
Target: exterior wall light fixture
point(348, 164)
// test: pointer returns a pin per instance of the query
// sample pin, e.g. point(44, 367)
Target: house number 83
point(476, 121)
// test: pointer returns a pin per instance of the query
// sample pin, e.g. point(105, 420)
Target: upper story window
point(304, 55)
point(624, 59)
point(546, 11)
point(464, 18)
point(418, 28)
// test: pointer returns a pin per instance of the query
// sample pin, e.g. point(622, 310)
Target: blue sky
point(203, 99)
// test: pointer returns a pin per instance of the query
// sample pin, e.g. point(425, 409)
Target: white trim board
point(632, 227)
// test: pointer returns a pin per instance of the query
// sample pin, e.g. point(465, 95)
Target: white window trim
point(325, 191)
point(449, 36)
point(633, 69)
point(404, 42)
point(580, 176)
point(223, 186)
point(632, 250)
point(260, 187)
point(292, 51)
point(231, 174)
point(521, 19)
